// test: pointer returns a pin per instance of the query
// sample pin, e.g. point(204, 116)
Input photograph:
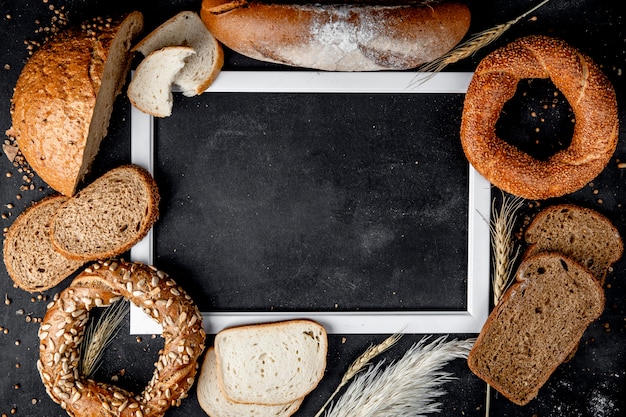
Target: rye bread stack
point(557, 294)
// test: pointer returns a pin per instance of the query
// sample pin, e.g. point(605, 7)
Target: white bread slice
point(108, 217)
point(580, 233)
point(213, 402)
point(187, 29)
point(29, 257)
point(271, 363)
point(536, 325)
point(150, 90)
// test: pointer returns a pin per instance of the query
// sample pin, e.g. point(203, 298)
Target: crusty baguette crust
point(589, 93)
point(65, 218)
point(509, 353)
point(29, 257)
point(64, 324)
point(55, 98)
point(349, 37)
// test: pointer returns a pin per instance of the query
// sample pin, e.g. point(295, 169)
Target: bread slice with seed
point(271, 363)
point(29, 257)
point(150, 90)
point(64, 96)
point(537, 324)
point(213, 402)
point(577, 232)
point(108, 217)
point(187, 29)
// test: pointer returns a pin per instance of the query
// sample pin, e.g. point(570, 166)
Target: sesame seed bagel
point(63, 328)
point(586, 88)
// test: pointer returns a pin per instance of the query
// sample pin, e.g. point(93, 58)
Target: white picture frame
point(378, 322)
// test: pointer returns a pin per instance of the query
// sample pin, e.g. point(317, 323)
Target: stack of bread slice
point(262, 369)
point(558, 293)
point(57, 235)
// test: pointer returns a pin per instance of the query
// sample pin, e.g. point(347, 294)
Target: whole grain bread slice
point(271, 363)
point(29, 257)
point(579, 233)
point(108, 217)
point(536, 325)
point(213, 402)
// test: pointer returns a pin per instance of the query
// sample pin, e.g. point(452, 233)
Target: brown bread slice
point(579, 233)
point(537, 324)
point(29, 257)
point(107, 217)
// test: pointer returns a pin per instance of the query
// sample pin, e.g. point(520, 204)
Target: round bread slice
point(213, 402)
point(577, 232)
point(187, 29)
point(108, 217)
point(29, 257)
point(271, 363)
point(150, 90)
point(64, 97)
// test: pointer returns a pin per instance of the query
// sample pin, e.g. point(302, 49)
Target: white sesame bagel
point(63, 328)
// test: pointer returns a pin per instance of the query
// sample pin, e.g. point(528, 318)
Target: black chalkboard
point(315, 202)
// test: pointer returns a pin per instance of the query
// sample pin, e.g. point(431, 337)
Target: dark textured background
point(593, 383)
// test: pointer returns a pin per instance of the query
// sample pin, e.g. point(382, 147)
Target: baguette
point(348, 37)
point(535, 327)
point(64, 97)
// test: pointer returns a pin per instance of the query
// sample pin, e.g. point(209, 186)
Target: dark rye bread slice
point(107, 217)
point(536, 325)
point(579, 233)
point(29, 257)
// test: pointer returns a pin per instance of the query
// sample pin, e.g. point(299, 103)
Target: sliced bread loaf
point(29, 256)
point(213, 402)
point(580, 233)
point(108, 217)
point(187, 29)
point(64, 97)
point(272, 363)
point(150, 90)
point(536, 325)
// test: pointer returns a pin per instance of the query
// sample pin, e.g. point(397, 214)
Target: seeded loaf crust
point(353, 36)
point(64, 97)
point(271, 363)
point(150, 90)
point(536, 325)
point(213, 402)
point(579, 233)
point(108, 217)
point(29, 257)
point(187, 29)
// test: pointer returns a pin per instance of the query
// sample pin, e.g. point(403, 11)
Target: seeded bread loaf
point(29, 257)
point(213, 402)
point(536, 325)
point(150, 90)
point(108, 217)
point(187, 29)
point(272, 363)
point(580, 233)
point(64, 97)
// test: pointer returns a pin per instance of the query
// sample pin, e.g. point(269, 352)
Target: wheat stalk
point(476, 42)
point(408, 387)
point(98, 335)
point(504, 255)
point(360, 363)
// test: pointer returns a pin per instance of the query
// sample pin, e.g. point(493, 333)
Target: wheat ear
point(98, 335)
point(407, 387)
point(476, 42)
point(360, 363)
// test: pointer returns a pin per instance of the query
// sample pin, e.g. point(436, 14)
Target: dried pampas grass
point(408, 387)
point(466, 49)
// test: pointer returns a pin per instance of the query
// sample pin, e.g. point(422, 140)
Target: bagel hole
point(538, 119)
point(128, 360)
